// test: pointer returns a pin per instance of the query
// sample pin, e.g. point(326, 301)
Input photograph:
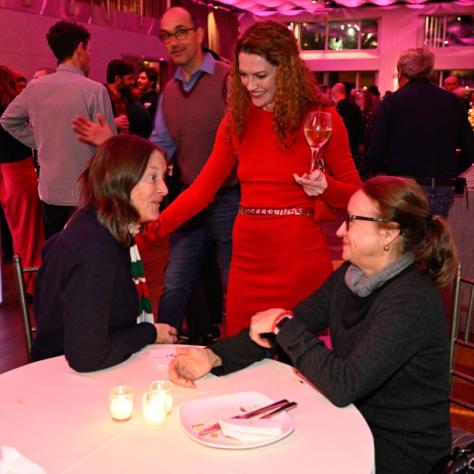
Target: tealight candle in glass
point(163, 390)
point(154, 408)
point(121, 402)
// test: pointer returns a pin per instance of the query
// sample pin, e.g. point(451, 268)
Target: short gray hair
point(416, 63)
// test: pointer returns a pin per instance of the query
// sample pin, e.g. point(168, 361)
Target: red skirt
point(20, 201)
point(277, 261)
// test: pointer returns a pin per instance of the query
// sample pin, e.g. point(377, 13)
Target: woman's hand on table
point(314, 183)
point(165, 334)
point(191, 364)
point(90, 132)
point(263, 323)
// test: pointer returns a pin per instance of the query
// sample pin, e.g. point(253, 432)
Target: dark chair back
point(28, 326)
point(461, 337)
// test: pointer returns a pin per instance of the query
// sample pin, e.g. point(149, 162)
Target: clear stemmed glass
point(317, 130)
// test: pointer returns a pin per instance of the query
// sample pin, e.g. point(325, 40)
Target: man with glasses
point(189, 112)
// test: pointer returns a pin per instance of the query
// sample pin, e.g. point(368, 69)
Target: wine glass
point(317, 130)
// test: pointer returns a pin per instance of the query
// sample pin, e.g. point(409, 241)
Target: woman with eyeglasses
point(386, 322)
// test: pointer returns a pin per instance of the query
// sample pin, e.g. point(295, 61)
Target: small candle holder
point(121, 402)
point(163, 389)
point(153, 408)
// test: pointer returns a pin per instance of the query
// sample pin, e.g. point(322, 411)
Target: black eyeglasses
point(350, 218)
point(180, 34)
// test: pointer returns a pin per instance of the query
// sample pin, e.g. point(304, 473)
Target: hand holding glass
point(317, 130)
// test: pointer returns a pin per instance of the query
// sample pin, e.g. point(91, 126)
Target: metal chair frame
point(457, 337)
point(20, 271)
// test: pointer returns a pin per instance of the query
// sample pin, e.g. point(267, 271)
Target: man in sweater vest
point(189, 112)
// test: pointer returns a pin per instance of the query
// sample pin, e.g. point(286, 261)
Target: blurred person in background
point(147, 79)
point(20, 82)
point(19, 187)
point(40, 117)
point(43, 71)
point(374, 90)
point(418, 130)
point(130, 114)
point(352, 116)
point(364, 100)
point(451, 83)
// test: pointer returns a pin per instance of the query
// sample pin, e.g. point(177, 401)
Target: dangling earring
point(386, 247)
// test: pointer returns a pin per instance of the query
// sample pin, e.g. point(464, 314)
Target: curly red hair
point(295, 93)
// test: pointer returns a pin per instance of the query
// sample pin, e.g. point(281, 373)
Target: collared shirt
point(41, 117)
point(160, 135)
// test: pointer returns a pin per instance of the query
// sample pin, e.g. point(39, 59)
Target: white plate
point(195, 415)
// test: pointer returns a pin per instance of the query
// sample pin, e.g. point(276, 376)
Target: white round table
point(59, 419)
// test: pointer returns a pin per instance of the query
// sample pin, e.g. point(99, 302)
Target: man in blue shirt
point(189, 112)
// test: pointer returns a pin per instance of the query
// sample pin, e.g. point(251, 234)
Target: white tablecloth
point(59, 419)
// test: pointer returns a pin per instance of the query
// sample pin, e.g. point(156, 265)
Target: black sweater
point(85, 301)
point(390, 359)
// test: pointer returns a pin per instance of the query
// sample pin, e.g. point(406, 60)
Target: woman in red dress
point(19, 188)
point(279, 255)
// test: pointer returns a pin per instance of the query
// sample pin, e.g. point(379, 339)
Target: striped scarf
point(145, 311)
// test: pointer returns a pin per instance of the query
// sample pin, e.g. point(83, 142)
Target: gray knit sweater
point(390, 359)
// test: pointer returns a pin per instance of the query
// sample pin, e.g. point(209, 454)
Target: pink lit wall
point(400, 28)
point(23, 45)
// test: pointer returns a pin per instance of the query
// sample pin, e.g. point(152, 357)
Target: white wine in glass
point(317, 130)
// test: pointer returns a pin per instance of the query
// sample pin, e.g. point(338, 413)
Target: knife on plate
point(285, 407)
point(273, 408)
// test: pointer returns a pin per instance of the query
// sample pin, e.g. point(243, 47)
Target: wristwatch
point(280, 322)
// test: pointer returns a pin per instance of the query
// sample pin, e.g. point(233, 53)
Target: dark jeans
point(55, 218)
point(440, 199)
point(206, 304)
point(189, 246)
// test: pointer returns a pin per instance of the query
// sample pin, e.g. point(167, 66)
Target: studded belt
point(283, 211)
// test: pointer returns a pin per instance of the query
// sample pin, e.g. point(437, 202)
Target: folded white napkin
point(13, 462)
point(253, 429)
